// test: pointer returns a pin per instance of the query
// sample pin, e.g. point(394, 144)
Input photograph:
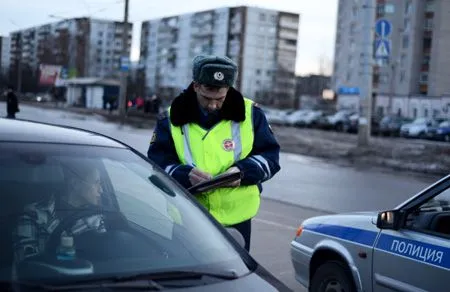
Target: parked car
point(403, 249)
point(82, 211)
point(296, 117)
point(418, 128)
point(311, 119)
point(351, 125)
point(441, 132)
point(276, 116)
point(338, 120)
point(390, 125)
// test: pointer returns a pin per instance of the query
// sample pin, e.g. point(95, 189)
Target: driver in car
point(40, 219)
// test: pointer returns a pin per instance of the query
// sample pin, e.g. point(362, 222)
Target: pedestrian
point(12, 103)
point(210, 129)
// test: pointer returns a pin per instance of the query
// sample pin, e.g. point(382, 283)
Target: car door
point(417, 256)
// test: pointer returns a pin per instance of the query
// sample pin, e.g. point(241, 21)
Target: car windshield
point(123, 216)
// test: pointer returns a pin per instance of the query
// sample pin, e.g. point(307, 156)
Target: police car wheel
point(332, 276)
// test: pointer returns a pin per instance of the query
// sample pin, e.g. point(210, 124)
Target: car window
point(29, 167)
point(147, 223)
point(134, 195)
point(432, 216)
point(445, 124)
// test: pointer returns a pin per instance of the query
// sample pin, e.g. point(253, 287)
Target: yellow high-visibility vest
point(214, 151)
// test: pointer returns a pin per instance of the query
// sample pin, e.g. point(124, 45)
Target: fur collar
point(185, 108)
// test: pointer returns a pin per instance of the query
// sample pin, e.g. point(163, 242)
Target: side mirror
point(237, 236)
point(392, 219)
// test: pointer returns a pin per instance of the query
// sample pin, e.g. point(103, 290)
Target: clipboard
point(215, 182)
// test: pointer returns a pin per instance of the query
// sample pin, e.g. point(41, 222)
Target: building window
point(355, 11)
point(415, 112)
point(429, 6)
point(384, 79)
point(350, 61)
point(428, 25)
point(352, 28)
point(389, 8)
point(402, 76)
point(423, 77)
point(405, 42)
point(406, 24)
point(273, 18)
point(349, 76)
point(380, 10)
point(425, 113)
point(403, 60)
point(380, 111)
point(262, 17)
point(408, 8)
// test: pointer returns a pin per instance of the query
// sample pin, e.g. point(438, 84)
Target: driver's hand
point(197, 176)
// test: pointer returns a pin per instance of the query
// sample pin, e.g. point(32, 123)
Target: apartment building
point(86, 47)
point(5, 56)
point(262, 42)
point(413, 81)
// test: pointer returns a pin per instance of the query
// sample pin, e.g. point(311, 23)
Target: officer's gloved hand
point(197, 176)
point(235, 183)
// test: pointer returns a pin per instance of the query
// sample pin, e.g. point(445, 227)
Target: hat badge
point(218, 76)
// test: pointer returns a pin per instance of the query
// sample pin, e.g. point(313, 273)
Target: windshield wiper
point(141, 281)
point(181, 275)
point(111, 283)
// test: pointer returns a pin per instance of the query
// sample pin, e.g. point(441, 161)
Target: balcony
point(286, 34)
point(285, 23)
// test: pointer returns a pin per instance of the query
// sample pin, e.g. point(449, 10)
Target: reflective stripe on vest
point(235, 134)
point(214, 151)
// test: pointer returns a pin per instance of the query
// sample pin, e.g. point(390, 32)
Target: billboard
point(48, 74)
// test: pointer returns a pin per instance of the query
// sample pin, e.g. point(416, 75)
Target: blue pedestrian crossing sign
point(382, 49)
point(383, 28)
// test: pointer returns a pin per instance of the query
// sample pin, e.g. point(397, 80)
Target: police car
point(403, 249)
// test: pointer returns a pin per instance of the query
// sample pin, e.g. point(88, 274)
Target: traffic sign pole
point(366, 77)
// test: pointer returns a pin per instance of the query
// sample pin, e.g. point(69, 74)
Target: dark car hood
point(260, 280)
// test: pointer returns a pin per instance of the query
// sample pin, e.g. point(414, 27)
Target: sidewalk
point(416, 156)
point(133, 118)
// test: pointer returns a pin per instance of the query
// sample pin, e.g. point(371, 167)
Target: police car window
point(440, 202)
point(432, 216)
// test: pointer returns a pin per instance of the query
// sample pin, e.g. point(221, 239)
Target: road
point(305, 187)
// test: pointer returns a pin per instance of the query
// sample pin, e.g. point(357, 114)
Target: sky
point(315, 41)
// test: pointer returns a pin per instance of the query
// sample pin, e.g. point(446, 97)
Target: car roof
point(12, 130)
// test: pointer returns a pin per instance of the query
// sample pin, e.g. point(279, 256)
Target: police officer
point(210, 129)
